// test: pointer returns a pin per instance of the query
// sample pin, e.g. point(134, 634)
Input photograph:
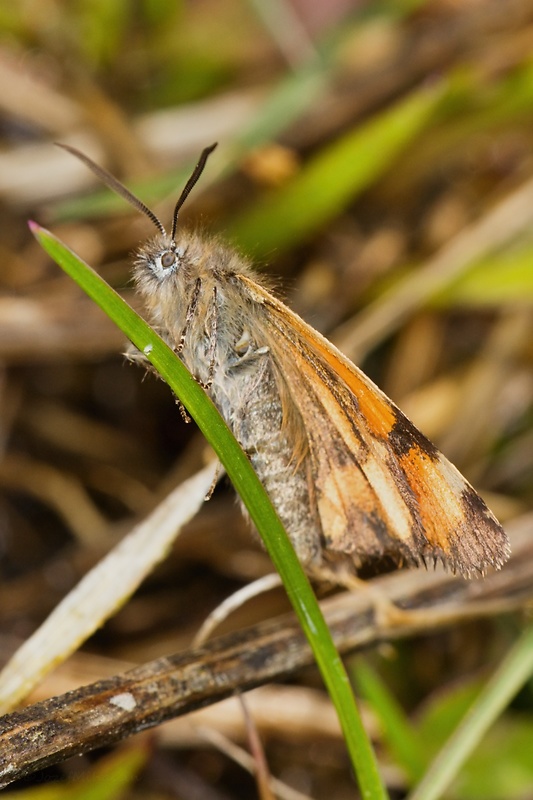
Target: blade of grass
point(253, 494)
point(402, 739)
point(501, 278)
point(511, 675)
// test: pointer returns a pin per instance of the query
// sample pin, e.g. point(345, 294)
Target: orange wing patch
point(381, 486)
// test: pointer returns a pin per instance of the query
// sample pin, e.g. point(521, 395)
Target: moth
point(351, 478)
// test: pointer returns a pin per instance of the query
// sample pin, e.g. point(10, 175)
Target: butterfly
point(352, 479)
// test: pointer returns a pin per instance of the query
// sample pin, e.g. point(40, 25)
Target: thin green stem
point(511, 675)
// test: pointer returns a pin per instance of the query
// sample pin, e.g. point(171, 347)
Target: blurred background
point(375, 159)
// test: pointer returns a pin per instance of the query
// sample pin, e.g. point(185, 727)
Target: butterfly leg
point(219, 472)
point(386, 613)
point(211, 331)
point(189, 315)
point(212, 325)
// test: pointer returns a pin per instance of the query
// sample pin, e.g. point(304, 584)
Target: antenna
point(189, 186)
point(116, 186)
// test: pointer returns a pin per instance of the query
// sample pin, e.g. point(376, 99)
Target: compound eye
point(168, 259)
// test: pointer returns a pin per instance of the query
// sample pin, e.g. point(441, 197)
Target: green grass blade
point(253, 494)
point(501, 278)
point(514, 671)
point(403, 741)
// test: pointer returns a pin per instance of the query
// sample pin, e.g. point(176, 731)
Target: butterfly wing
point(382, 488)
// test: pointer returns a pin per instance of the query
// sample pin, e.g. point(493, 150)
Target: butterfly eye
point(168, 259)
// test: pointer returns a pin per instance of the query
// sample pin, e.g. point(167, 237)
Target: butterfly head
point(162, 255)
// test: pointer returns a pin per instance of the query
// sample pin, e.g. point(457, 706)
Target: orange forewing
point(382, 488)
